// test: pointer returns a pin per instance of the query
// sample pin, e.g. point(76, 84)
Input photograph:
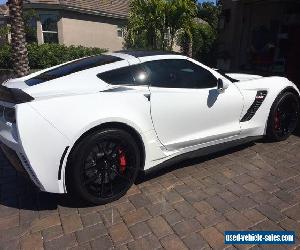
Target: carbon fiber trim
point(30, 171)
point(259, 99)
point(14, 95)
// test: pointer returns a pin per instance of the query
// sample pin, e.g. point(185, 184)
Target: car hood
point(243, 77)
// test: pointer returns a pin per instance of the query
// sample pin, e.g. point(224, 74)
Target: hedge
point(47, 55)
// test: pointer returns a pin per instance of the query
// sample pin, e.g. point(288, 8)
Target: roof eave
point(74, 9)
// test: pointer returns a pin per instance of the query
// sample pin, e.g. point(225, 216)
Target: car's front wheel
point(103, 166)
point(284, 117)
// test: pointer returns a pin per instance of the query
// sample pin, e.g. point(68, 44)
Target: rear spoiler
point(13, 95)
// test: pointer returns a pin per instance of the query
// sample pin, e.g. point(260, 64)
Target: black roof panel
point(143, 53)
point(72, 67)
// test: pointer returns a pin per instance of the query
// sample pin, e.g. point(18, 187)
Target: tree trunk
point(190, 50)
point(162, 39)
point(172, 38)
point(187, 47)
point(18, 40)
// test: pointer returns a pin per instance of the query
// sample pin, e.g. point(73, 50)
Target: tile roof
point(109, 7)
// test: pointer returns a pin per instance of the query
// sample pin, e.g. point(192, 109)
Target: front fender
point(274, 86)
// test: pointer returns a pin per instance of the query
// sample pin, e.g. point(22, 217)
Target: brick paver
point(189, 206)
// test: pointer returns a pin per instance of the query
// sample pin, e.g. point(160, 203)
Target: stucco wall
point(86, 30)
point(90, 31)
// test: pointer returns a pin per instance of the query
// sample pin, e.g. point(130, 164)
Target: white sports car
point(89, 126)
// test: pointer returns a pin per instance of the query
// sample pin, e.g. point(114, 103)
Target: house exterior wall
point(39, 33)
point(229, 32)
point(244, 18)
point(85, 30)
point(267, 16)
point(91, 31)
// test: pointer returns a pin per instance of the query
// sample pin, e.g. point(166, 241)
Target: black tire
point(284, 117)
point(103, 166)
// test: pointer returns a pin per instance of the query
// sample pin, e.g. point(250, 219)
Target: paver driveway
point(189, 205)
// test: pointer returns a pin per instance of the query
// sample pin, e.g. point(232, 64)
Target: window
point(30, 20)
point(49, 28)
point(179, 74)
point(121, 31)
point(72, 67)
point(132, 75)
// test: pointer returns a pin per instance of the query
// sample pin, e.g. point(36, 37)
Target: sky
point(4, 1)
point(201, 1)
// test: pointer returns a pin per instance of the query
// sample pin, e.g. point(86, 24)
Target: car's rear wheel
point(284, 117)
point(103, 166)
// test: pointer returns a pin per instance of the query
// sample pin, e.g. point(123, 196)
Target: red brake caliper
point(122, 160)
point(277, 120)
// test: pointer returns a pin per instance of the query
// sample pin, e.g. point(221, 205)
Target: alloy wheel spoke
point(122, 176)
point(102, 183)
point(288, 115)
point(111, 188)
point(107, 169)
point(89, 166)
point(91, 179)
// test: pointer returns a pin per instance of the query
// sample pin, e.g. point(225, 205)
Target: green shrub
point(47, 55)
point(5, 57)
point(203, 42)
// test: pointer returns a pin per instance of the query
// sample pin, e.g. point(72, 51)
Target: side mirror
point(222, 85)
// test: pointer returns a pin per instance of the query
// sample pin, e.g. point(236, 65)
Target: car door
point(187, 108)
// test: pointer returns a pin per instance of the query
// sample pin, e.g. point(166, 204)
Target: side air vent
point(259, 99)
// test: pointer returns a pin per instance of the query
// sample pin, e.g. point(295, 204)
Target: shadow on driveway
point(18, 192)
point(166, 168)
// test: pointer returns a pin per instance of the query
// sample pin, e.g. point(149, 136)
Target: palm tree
point(187, 43)
point(155, 24)
point(179, 16)
point(18, 40)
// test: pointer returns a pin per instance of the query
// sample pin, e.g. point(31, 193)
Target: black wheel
point(284, 117)
point(103, 166)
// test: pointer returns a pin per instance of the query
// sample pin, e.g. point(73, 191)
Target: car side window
point(131, 75)
point(179, 73)
point(72, 67)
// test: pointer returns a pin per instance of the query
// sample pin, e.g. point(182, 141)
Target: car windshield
point(72, 67)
